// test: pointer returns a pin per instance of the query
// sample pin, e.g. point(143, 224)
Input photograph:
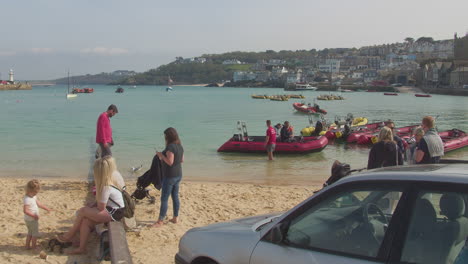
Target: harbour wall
point(19, 86)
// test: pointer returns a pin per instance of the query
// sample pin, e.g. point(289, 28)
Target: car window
point(438, 229)
point(352, 222)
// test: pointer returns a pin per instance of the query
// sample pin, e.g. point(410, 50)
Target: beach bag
point(129, 209)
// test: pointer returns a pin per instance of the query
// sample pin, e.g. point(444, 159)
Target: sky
point(43, 39)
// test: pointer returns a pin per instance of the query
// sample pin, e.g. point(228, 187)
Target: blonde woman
point(411, 152)
point(385, 152)
point(109, 204)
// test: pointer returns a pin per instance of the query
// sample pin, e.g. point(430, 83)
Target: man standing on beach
point(104, 131)
point(270, 140)
point(430, 147)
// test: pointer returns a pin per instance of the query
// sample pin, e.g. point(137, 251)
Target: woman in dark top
point(171, 159)
point(384, 152)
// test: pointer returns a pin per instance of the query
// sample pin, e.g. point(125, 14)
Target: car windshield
point(351, 222)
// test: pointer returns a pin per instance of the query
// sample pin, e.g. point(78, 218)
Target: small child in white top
point(31, 212)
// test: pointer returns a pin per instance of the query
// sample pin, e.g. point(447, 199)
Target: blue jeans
point(170, 187)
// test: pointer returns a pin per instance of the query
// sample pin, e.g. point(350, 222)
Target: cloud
point(41, 50)
point(104, 51)
point(7, 53)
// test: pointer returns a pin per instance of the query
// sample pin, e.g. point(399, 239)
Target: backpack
point(129, 209)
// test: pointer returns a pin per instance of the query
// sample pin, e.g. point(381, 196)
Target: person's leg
point(165, 193)
point(85, 229)
point(91, 213)
point(33, 242)
point(175, 199)
point(28, 241)
point(105, 151)
point(33, 232)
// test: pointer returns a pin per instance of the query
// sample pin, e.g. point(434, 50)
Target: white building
point(330, 65)
point(294, 77)
point(243, 76)
point(229, 62)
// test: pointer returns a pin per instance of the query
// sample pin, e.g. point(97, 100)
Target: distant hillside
point(212, 69)
point(101, 78)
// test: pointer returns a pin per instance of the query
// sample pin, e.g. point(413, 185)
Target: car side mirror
point(276, 234)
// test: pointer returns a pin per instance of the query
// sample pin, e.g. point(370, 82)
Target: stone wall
point(20, 86)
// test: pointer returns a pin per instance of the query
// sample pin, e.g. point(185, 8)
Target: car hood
point(250, 223)
point(228, 242)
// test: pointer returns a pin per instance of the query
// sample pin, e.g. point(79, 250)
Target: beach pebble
point(43, 255)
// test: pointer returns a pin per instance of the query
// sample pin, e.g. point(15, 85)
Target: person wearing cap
point(104, 131)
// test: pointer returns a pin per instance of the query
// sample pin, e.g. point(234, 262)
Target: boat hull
point(423, 95)
point(256, 144)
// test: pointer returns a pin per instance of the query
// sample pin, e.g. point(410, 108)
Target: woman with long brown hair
point(171, 158)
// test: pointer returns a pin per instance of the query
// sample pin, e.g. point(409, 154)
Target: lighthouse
point(12, 79)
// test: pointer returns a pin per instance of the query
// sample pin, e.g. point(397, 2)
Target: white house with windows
point(233, 61)
point(244, 76)
point(330, 65)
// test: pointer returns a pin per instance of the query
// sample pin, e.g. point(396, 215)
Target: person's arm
point(168, 158)
point(101, 206)
point(420, 151)
point(42, 206)
point(419, 155)
point(26, 211)
point(266, 139)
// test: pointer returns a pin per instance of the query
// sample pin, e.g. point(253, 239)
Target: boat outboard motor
point(346, 130)
point(318, 128)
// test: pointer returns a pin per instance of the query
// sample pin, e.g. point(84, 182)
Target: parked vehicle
point(404, 214)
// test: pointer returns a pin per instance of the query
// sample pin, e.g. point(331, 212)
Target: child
point(31, 212)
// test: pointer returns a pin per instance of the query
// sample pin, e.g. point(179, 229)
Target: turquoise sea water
point(43, 134)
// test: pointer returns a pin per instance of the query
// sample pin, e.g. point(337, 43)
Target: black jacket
point(153, 176)
point(384, 154)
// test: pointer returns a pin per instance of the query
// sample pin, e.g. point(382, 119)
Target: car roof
point(445, 173)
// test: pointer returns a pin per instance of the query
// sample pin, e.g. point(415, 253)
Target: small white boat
point(305, 87)
point(169, 84)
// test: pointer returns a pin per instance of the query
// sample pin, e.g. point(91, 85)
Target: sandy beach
point(202, 203)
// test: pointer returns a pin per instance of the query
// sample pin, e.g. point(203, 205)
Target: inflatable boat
point(368, 128)
point(304, 108)
point(372, 137)
point(256, 144)
point(423, 95)
point(454, 139)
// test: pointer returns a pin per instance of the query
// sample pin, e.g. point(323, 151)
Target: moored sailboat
point(70, 95)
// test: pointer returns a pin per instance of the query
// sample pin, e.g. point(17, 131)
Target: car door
point(346, 224)
point(438, 228)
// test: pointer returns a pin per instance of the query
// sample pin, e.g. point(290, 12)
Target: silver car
point(407, 214)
